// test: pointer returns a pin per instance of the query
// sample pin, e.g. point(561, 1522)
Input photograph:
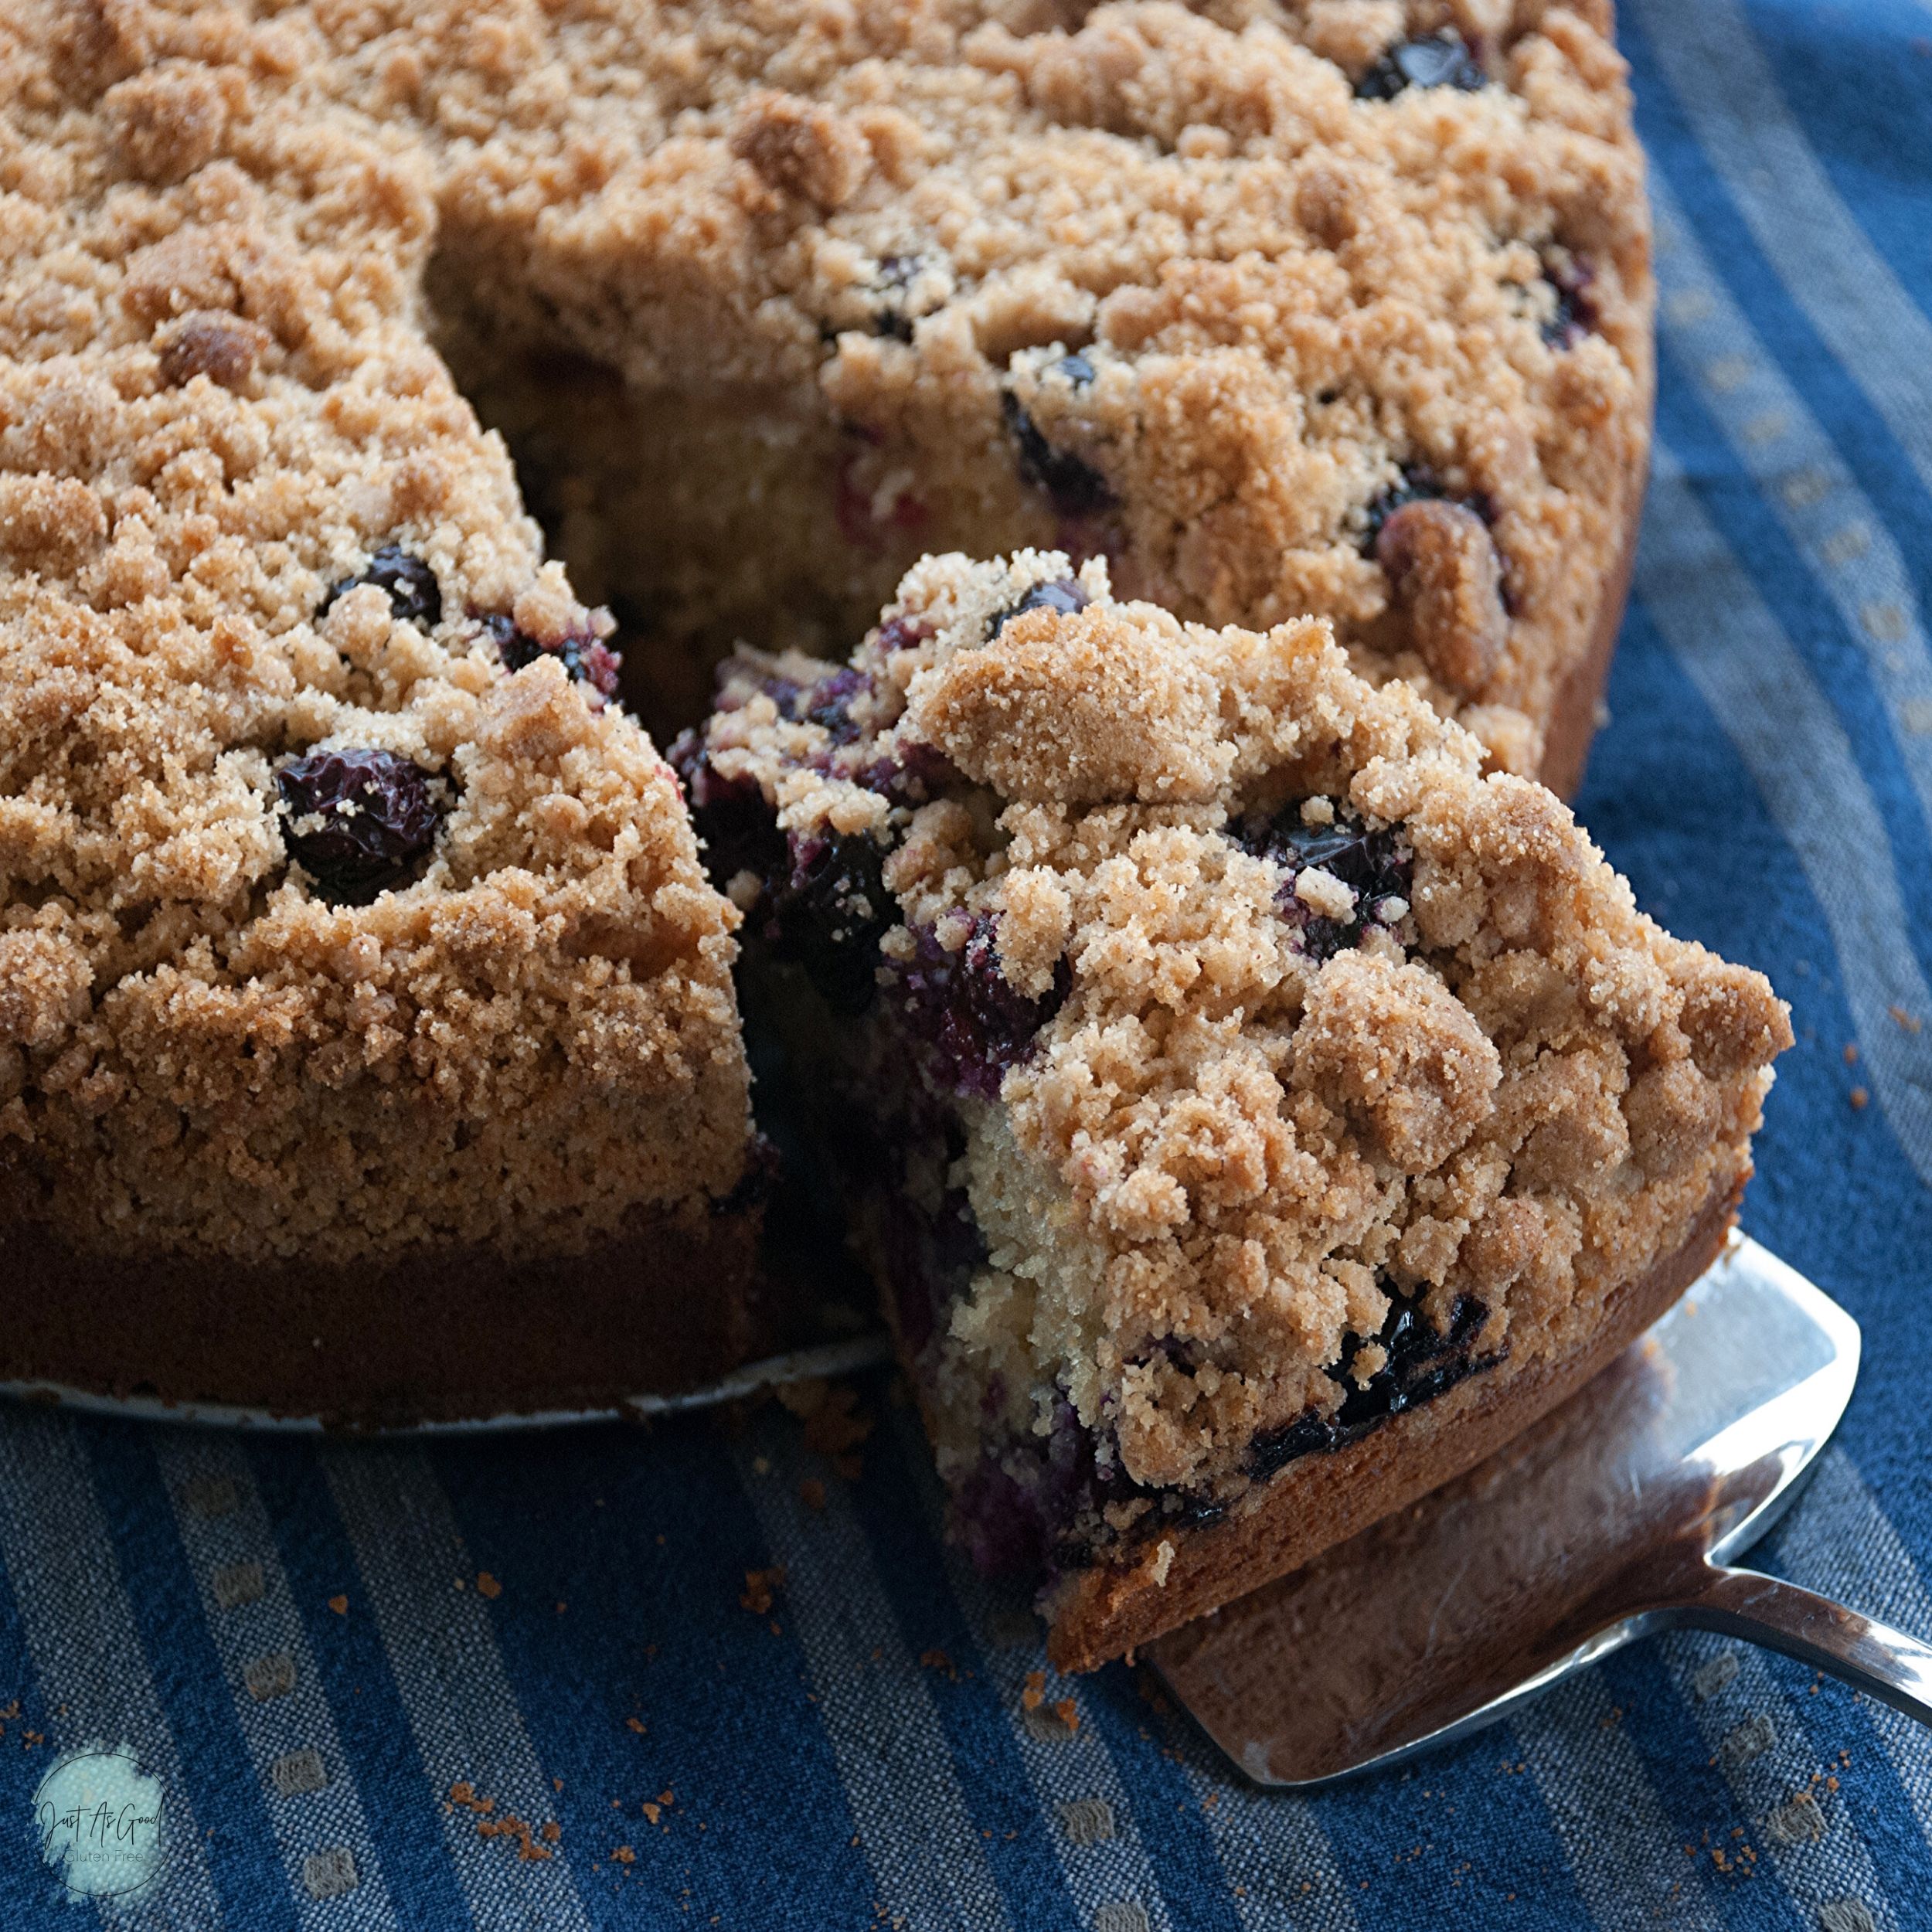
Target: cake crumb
point(510, 1825)
point(760, 1587)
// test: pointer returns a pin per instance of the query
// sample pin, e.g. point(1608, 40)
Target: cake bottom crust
point(1320, 1500)
point(670, 1304)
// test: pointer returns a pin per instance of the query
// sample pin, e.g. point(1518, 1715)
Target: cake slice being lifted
point(1253, 1114)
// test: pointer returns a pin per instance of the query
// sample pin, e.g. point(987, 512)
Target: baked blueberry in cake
point(1251, 1112)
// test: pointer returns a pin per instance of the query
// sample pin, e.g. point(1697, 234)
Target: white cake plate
point(827, 1358)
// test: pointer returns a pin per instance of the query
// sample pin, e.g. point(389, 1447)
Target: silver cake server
point(1622, 1513)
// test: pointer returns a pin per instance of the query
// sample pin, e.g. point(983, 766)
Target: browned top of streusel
point(1512, 1085)
point(215, 403)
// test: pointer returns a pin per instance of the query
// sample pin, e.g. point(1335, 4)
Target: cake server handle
point(1870, 1656)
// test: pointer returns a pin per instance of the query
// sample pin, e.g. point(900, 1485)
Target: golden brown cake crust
point(1578, 707)
point(1102, 1614)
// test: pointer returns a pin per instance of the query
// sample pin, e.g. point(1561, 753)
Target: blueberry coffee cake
point(1251, 1112)
point(368, 1044)
point(367, 1036)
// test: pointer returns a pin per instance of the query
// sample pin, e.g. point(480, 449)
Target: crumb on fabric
point(761, 1588)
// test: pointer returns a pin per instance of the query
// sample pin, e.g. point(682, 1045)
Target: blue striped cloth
point(526, 1683)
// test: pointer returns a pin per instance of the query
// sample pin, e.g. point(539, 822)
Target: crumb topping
point(1207, 293)
point(1197, 288)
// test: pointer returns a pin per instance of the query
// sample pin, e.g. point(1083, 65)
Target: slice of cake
point(1252, 1114)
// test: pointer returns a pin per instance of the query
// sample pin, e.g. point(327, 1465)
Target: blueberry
point(1000, 1523)
point(1376, 864)
point(1417, 484)
point(896, 275)
point(1077, 488)
point(1063, 594)
point(1194, 1512)
point(913, 773)
point(734, 818)
point(972, 1021)
point(1076, 368)
point(1273, 1449)
point(1421, 1365)
point(828, 703)
point(1443, 60)
point(828, 911)
point(373, 814)
point(586, 659)
point(822, 901)
point(1575, 314)
point(1016, 1512)
point(901, 633)
point(787, 695)
point(410, 583)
